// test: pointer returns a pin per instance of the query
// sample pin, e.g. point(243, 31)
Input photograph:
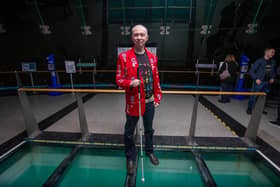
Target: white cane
point(140, 131)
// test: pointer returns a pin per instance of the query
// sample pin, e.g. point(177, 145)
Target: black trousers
point(278, 115)
point(130, 125)
point(226, 87)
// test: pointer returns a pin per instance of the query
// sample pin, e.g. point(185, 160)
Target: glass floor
point(242, 170)
point(175, 169)
point(96, 167)
point(32, 165)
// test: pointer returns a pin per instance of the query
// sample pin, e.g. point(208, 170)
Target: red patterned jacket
point(126, 72)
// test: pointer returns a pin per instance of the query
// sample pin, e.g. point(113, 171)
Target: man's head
point(269, 52)
point(139, 36)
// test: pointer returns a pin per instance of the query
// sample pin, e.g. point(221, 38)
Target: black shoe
point(130, 181)
point(264, 112)
point(154, 160)
point(130, 167)
point(249, 112)
point(221, 101)
point(275, 123)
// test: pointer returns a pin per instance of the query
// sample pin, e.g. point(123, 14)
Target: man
point(129, 62)
point(277, 122)
point(262, 72)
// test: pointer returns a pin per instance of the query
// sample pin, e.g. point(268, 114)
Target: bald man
point(129, 62)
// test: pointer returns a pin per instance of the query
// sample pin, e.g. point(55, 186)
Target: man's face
point(139, 37)
point(270, 53)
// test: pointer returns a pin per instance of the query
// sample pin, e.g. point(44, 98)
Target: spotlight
point(45, 29)
point(2, 30)
point(86, 30)
point(205, 29)
point(125, 30)
point(251, 28)
point(164, 30)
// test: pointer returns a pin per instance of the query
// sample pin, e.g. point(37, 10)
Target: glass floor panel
point(31, 165)
point(240, 169)
point(96, 167)
point(175, 169)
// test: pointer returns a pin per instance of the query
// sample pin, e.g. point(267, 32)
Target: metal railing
point(250, 135)
point(95, 79)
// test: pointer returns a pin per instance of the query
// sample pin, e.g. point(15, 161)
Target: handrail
point(33, 129)
point(190, 72)
point(122, 91)
point(111, 71)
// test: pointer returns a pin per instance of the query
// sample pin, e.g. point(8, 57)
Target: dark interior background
point(23, 40)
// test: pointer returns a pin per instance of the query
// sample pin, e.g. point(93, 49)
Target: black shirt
point(268, 69)
point(146, 73)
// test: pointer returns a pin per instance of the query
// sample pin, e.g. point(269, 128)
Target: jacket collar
point(132, 52)
point(133, 55)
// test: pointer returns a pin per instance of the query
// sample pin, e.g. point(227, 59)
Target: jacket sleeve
point(278, 71)
point(253, 70)
point(222, 67)
point(157, 88)
point(121, 74)
point(221, 64)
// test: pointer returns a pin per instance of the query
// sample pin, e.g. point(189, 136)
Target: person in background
point(263, 73)
point(227, 72)
point(277, 121)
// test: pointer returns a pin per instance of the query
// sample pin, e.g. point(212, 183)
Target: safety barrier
point(30, 79)
point(250, 135)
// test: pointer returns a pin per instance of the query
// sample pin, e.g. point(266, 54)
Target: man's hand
point(258, 81)
point(156, 105)
point(135, 83)
point(271, 81)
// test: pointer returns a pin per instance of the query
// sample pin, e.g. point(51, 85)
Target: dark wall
point(232, 38)
point(23, 40)
point(171, 48)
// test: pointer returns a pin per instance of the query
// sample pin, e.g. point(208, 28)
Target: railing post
point(57, 77)
point(29, 119)
point(94, 73)
point(19, 83)
point(197, 73)
point(212, 69)
point(190, 139)
point(93, 80)
point(82, 117)
point(254, 123)
point(72, 84)
point(31, 79)
point(162, 77)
